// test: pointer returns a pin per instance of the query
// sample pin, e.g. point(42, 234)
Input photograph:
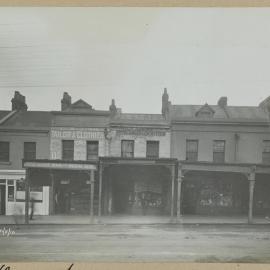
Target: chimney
point(222, 102)
point(113, 109)
point(265, 104)
point(165, 103)
point(65, 101)
point(18, 102)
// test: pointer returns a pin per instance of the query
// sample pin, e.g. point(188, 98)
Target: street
point(135, 243)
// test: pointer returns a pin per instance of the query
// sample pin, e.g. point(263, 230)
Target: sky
point(132, 54)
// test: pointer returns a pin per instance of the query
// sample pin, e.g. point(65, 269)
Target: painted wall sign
point(76, 134)
point(140, 132)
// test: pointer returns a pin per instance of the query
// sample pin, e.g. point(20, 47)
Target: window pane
point(218, 157)
point(266, 146)
point(92, 150)
point(4, 151)
point(127, 148)
point(192, 146)
point(68, 150)
point(30, 150)
point(192, 156)
point(192, 150)
point(152, 149)
point(266, 157)
point(20, 185)
point(219, 146)
point(11, 193)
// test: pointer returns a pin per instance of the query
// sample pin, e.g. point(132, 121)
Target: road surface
point(136, 243)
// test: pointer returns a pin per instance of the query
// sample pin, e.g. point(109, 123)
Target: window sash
point(219, 146)
point(92, 150)
point(192, 150)
point(68, 150)
point(4, 151)
point(127, 148)
point(266, 146)
point(218, 157)
point(266, 157)
point(29, 150)
point(152, 149)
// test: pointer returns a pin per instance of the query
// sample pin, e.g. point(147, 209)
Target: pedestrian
point(32, 201)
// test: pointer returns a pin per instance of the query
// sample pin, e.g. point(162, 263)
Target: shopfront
point(71, 185)
point(215, 193)
point(12, 194)
point(137, 186)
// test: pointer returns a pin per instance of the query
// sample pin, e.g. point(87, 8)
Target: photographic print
point(134, 134)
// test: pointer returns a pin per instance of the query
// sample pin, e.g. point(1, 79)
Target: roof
point(139, 119)
point(28, 120)
point(3, 114)
point(229, 113)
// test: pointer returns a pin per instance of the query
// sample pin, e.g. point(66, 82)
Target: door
point(2, 200)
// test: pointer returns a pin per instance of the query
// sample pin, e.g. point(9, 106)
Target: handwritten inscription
point(4, 267)
point(6, 232)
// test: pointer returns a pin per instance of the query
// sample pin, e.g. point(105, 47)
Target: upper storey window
point(127, 148)
point(192, 150)
point(219, 151)
point(152, 149)
point(4, 151)
point(68, 149)
point(29, 150)
point(92, 150)
point(266, 152)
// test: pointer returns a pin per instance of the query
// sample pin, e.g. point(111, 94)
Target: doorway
point(138, 190)
point(2, 199)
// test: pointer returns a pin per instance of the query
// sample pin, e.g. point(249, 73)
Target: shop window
point(11, 191)
point(29, 150)
point(152, 149)
point(219, 151)
point(192, 150)
point(266, 152)
point(4, 151)
point(127, 148)
point(67, 150)
point(92, 150)
point(20, 185)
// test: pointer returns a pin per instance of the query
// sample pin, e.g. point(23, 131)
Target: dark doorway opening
point(261, 203)
point(2, 199)
point(211, 193)
point(72, 194)
point(137, 190)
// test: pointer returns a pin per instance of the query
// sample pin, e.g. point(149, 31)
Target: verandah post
point(251, 179)
point(27, 196)
point(92, 186)
point(172, 196)
point(100, 188)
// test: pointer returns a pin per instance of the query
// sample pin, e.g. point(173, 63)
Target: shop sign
point(76, 134)
point(67, 166)
point(141, 132)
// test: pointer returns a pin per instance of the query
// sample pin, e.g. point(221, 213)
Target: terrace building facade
point(190, 159)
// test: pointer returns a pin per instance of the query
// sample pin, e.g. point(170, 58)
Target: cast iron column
point(100, 188)
point(92, 186)
point(172, 201)
point(179, 182)
point(251, 179)
point(27, 191)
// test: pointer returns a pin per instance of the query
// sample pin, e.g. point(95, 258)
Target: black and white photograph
point(134, 134)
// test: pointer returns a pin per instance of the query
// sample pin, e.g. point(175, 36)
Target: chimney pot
point(222, 102)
